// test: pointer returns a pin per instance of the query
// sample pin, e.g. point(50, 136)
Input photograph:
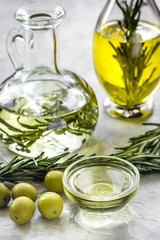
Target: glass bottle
point(42, 108)
point(126, 50)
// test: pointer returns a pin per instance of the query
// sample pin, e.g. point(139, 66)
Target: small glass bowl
point(101, 184)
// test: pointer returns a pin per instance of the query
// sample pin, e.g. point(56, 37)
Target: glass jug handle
point(12, 49)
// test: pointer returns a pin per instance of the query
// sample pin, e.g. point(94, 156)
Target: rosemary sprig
point(26, 134)
point(146, 143)
point(144, 150)
point(134, 56)
point(133, 68)
point(131, 14)
point(34, 169)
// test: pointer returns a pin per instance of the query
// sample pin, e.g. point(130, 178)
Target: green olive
point(53, 181)
point(50, 205)
point(21, 210)
point(24, 189)
point(5, 195)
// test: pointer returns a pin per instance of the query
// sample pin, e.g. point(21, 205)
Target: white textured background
point(141, 219)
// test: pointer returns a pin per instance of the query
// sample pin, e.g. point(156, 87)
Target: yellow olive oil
point(98, 188)
point(129, 71)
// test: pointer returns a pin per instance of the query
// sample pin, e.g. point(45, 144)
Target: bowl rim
point(104, 198)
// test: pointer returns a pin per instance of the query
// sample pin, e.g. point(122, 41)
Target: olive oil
point(101, 188)
point(47, 116)
point(101, 181)
point(129, 71)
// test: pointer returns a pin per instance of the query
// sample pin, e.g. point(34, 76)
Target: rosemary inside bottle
point(132, 47)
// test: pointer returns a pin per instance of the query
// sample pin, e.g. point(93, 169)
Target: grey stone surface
point(140, 220)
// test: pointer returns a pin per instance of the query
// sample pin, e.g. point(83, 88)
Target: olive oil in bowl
point(101, 184)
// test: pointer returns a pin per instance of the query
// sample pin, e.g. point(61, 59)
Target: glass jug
point(126, 52)
point(42, 108)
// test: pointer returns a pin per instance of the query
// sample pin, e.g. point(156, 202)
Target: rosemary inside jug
point(26, 135)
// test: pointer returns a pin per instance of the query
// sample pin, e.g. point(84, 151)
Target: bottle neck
point(40, 50)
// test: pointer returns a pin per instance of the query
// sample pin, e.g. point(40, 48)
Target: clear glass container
point(43, 108)
point(126, 50)
point(101, 184)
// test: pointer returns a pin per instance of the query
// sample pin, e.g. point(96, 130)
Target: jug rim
point(40, 15)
